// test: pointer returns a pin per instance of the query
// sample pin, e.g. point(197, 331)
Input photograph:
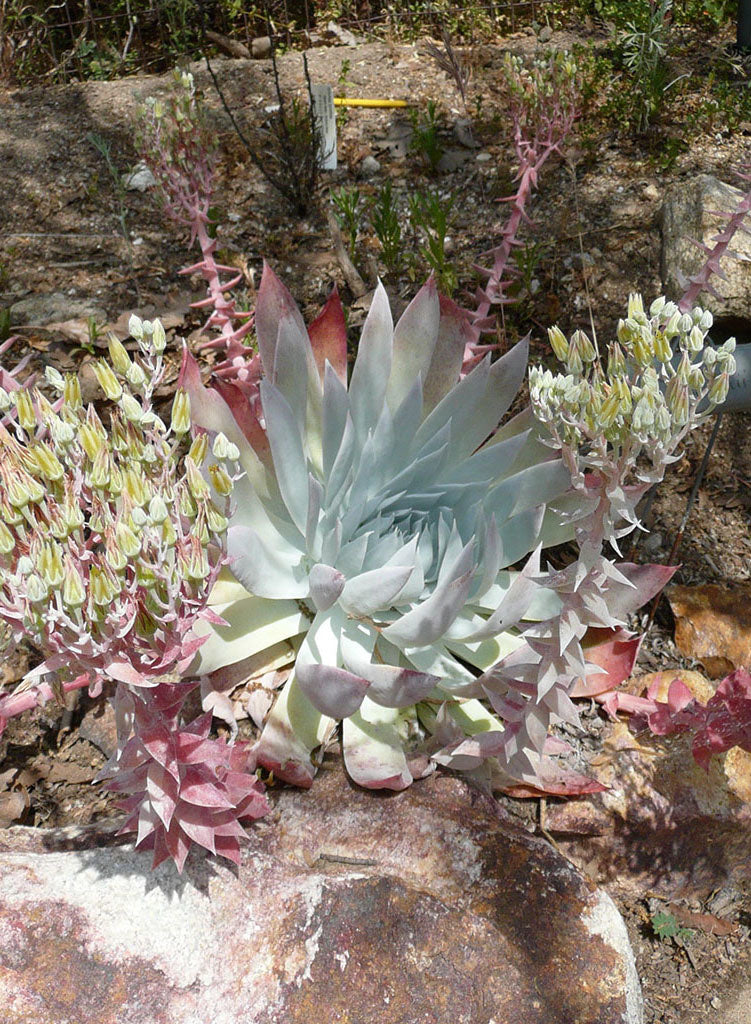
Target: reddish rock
point(713, 625)
point(421, 907)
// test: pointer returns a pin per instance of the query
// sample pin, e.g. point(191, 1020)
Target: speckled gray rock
point(422, 907)
point(690, 214)
point(38, 310)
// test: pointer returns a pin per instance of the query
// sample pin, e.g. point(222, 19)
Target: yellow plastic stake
point(348, 101)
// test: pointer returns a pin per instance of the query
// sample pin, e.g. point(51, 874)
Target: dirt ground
point(596, 223)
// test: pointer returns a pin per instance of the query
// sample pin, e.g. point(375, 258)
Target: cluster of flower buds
point(660, 380)
point(111, 534)
point(178, 146)
point(542, 92)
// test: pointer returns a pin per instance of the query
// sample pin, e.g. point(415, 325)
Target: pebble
point(369, 167)
point(482, 158)
point(260, 47)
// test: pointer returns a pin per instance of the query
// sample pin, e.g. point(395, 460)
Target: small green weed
point(387, 226)
point(666, 926)
point(347, 210)
point(104, 148)
point(430, 215)
point(425, 138)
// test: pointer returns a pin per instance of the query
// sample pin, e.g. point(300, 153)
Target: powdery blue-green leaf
point(373, 748)
point(290, 375)
point(429, 620)
point(370, 591)
point(293, 730)
point(390, 685)
point(273, 304)
point(415, 338)
point(335, 407)
point(529, 488)
point(448, 354)
point(254, 624)
point(326, 585)
point(267, 572)
point(334, 691)
point(370, 374)
point(289, 458)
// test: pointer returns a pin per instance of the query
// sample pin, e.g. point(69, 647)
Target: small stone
point(369, 167)
point(713, 625)
point(140, 179)
point(652, 543)
point(342, 34)
point(463, 133)
point(39, 310)
point(483, 158)
point(651, 192)
point(260, 47)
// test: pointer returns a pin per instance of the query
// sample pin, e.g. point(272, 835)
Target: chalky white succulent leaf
point(374, 532)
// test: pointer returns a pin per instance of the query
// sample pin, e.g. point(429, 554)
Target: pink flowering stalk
point(181, 153)
point(111, 539)
point(543, 103)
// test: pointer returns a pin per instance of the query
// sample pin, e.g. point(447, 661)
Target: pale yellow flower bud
point(91, 441)
point(663, 351)
point(118, 354)
point(54, 378)
point(74, 592)
point(135, 486)
point(558, 343)
point(50, 565)
point(719, 389)
point(199, 449)
point(158, 337)
point(135, 376)
point(198, 486)
point(108, 382)
point(135, 327)
point(225, 449)
point(102, 592)
point(36, 589)
point(158, 511)
point(7, 540)
point(127, 541)
point(215, 521)
point(46, 462)
point(181, 412)
point(221, 480)
point(72, 393)
point(609, 410)
point(25, 409)
point(635, 305)
point(131, 408)
point(585, 346)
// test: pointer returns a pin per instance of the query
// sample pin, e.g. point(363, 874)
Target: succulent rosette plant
point(374, 530)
